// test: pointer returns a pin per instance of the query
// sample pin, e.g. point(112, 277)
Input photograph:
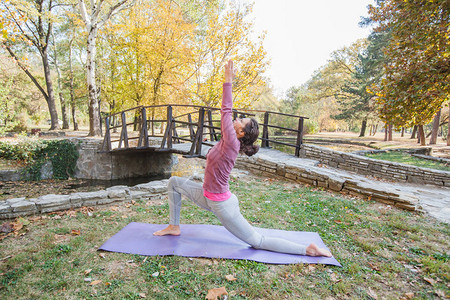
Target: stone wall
point(309, 172)
point(95, 164)
point(9, 175)
point(373, 167)
point(16, 207)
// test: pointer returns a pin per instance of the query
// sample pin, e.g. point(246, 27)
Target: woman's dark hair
point(251, 131)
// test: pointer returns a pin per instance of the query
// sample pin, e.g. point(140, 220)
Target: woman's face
point(239, 125)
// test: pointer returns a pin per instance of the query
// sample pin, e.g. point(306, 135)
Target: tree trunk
point(50, 94)
point(94, 115)
point(386, 128)
point(403, 132)
point(72, 94)
point(421, 135)
point(448, 127)
point(390, 132)
point(363, 128)
point(65, 119)
point(62, 100)
point(414, 131)
point(434, 131)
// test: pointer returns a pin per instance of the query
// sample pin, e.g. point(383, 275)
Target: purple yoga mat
point(209, 241)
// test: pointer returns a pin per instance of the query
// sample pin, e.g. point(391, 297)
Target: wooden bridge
point(191, 130)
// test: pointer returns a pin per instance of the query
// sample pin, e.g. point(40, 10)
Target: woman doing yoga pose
point(238, 136)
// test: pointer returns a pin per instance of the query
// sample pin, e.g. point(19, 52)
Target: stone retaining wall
point(95, 164)
point(16, 207)
point(378, 168)
point(302, 171)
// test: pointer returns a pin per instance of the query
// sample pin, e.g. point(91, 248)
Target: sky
point(301, 35)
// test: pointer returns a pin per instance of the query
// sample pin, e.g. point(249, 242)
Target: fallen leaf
point(17, 226)
point(310, 268)
point(409, 295)
point(142, 295)
point(6, 227)
point(86, 272)
point(440, 293)
point(230, 277)
point(334, 278)
point(102, 255)
point(429, 280)
point(372, 294)
point(107, 283)
point(95, 282)
point(5, 258)
point(76, 232)
point(374, 267)
point(214, 294)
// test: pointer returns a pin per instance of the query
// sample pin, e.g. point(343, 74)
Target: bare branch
point(84, 15)
point(121, 5)
point(26, 71)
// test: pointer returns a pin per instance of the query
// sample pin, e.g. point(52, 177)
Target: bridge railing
point(161, 126)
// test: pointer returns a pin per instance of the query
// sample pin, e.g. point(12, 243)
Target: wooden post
point(168, 134)
point(107, 139)
point(299, 137)
point(123, 133)
point(143, 136)
point(212, 131)
point(196, 146)
point(191, 128)
point(265, 135)
point(174, 133)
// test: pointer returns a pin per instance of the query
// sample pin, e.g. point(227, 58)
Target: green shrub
point(62, 153)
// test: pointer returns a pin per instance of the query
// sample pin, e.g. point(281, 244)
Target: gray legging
point(229, 215)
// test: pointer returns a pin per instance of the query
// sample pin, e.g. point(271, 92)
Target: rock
point(52, 200)
point(118, 192)
point(152, 187)
point(15, 200)
point(139, 195)
point(23, 206)
point(5, 208)
point(47, 170)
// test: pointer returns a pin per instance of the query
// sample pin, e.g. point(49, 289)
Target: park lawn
point(405, 158)
point(385, 252)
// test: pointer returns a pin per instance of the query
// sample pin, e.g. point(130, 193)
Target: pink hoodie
point(221, 158)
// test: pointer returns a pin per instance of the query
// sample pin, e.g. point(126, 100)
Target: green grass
point(405, 158)
point(384, 251)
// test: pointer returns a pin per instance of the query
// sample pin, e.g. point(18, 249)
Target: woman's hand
point(229, 72)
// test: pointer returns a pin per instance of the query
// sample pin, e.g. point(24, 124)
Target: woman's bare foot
point(313, 250)
point(169, 230)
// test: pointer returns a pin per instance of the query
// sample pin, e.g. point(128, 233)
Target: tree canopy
point(417, 64)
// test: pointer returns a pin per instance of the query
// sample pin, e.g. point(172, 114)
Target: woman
point(237, 136)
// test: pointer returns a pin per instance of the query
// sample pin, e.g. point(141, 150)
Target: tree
point(223, 36)
point(19, 97)
point(339, 87)
point(355, 98)
point(29, 24)
point(435, 129)
point(417, 65)
point(94, 17)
